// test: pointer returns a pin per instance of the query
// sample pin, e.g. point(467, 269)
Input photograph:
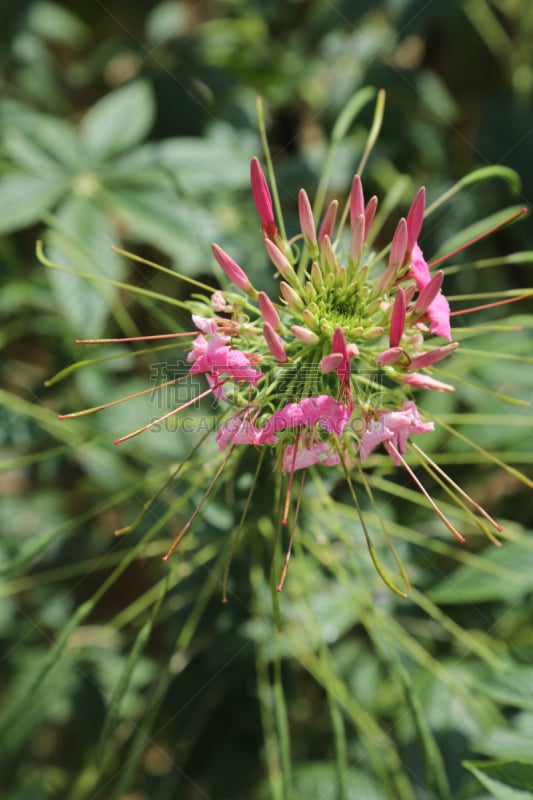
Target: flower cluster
point(324, 372)
point(341, 347)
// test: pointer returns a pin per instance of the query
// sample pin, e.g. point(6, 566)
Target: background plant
point(134, 126)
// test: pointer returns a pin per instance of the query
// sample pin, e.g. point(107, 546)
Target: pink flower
point(438, 310)
point(241, 430)
point(307, 455)
point(393, 427)
point(226, 360)
point(201, 345)
point(331, 415)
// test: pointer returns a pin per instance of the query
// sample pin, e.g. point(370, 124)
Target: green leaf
point(220, 161)
point(56, 138)
point(500, 574)
point(513, 687)
point(183, 230)
point(28, 155)
point(317, 780)
point(81, 241)
point(508, 742)
point(119, 120)
point(51, 21)
point(25, 198)
point(506, 780)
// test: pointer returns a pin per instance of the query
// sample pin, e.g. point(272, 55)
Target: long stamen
point(137, 338)
point(163, 418)
point(481, 236)
point(458, 488)
point(286, 505)
point(434, 506)
point(199, 507)
point(174, 474)
point(241, 524)
point(161, 268)
point(288, 554)
point(371, 549)
point(491, 305)
point(94, 409)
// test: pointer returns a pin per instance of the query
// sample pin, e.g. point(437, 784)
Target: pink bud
point(397, 321)
point(267, 309)
point(262, 199)
point(280, 261)
point(331, 363)
point(328, 256)
point(304, 334)
point(219, 303)
point(415, 218)
point(370, 213)
point(328, 223)
point(389, 356)
point(338, 344)
point(429, 293)
point(274, 343)
point(307, 223)
point(316, 276)
point(433, 356)
point(358, 238)
point(231, 268)
point(357, 201)
point(399, 245)
point(421, 381)
point(352, 351)
point(291, 297)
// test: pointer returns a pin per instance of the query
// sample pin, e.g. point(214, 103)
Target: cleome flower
point(323, 372)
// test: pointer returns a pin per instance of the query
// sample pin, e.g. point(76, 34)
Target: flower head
point(323, 371)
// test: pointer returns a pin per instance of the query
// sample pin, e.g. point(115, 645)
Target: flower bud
point(304, 334)
point(274, 343)
point(268, 310)
point(235, 273)
point(328, 223)
point(292, 299)
point(307, 223)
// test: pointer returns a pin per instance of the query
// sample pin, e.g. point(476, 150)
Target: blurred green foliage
point(132, 123)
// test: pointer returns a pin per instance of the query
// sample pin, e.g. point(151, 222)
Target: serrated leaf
point(25, 198)
point(502, 574)
point(506, 780)
point(119, 120)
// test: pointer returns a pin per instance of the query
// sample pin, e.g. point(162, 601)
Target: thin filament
point(199, 507)
point(393, 450)
point(458, 489)
point(163, 418)
point(288, 554)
